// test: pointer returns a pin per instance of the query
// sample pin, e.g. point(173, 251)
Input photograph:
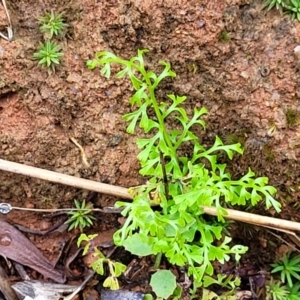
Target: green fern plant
point(178, 185)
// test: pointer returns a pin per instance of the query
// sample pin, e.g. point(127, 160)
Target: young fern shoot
point(180, 185)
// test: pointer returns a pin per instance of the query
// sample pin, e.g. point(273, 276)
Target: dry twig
point(123, 193)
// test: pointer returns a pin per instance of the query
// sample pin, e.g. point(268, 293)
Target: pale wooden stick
point(64, 179)
point(123, 193)
point(254, 219)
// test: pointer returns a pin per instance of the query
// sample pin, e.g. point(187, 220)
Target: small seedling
point(115, 269)
point(293, 8)
point(49, 54)
point(269, 4)
point(276, 291)
point(294, 292)
point(288, 7)
point(288, 267)
point(52, 24)
point(81, 217)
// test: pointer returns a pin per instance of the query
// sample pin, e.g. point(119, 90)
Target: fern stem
point(157, 260)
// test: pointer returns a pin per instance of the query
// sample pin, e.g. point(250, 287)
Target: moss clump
point(268, 152)
point(192, 68)
point(224, 36)
point(292, 117)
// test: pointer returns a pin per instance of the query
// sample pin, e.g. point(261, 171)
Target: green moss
point(268, 152)
point(234, 138)
point(292, 117)
point(192, 67)
point(224, 36)
point(47, 202)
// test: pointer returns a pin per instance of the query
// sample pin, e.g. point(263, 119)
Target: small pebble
point(297, 52)
point(45, 225)
point(120, 295)
point(245, 74)
point(200, 23)
point(275, 96)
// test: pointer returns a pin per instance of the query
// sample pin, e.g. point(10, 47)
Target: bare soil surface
point(229, 56)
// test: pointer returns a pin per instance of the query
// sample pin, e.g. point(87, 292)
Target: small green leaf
point(105, 71)
point(83, 237)
point(111, 282)
point(138, 96)
point(271, 202)
point(137, 246)
point(163, 283)
point(136, 82)
point(209, 295)
point(119, 269)
point(122, 72)
point(176, 257)
point(97, 266)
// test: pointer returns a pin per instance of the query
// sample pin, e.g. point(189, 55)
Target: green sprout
point(81, 217)
point(288, 268)
point(293, 8)
point(48, 54)
point(115, 269)
point(288, 7)
point(276, 291)
point(269, 4)
point(294, 292)
point(52, 24)
point(178, 185)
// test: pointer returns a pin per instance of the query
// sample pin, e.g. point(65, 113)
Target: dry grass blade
point(9, 28)
point(83, 155)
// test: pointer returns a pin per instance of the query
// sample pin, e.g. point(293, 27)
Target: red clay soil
point(229, 56)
